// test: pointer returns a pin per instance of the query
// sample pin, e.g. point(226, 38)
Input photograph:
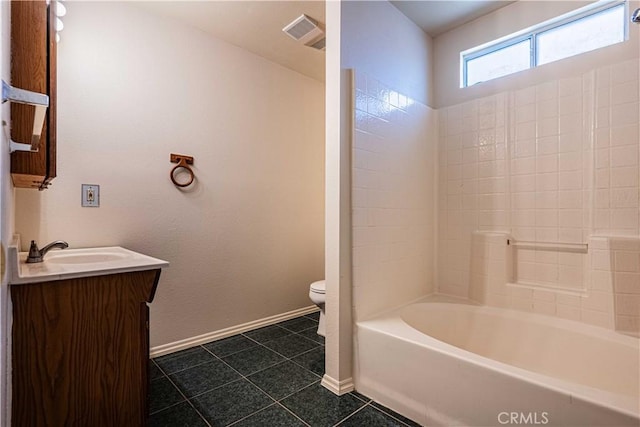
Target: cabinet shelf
point(40, 101)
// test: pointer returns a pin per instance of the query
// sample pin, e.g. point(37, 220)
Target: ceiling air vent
point(320, 44)
point(305, 30)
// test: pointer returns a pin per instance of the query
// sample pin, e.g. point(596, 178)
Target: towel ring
point(183, 162)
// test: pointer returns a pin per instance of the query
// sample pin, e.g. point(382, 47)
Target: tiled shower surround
point(552, 163)
point(393, 189)
point(555, 163)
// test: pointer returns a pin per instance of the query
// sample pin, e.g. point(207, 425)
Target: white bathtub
point(456, 364)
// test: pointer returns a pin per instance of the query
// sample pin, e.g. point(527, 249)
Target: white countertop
point(74, 263)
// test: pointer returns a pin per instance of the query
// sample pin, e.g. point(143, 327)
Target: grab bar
point(551, 246)
point(40, 101)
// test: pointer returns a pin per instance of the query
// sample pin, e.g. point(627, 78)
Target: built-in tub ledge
point(74, 263)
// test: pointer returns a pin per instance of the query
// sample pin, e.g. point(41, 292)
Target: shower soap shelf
point(550, 246)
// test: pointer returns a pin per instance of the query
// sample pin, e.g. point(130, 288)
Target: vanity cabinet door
point(33, 67)
point(80, 351)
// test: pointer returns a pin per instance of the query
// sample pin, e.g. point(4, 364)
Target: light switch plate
point(90, 195)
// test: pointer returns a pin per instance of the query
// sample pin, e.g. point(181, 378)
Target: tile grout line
point(183, 396)
point(241, 374)
point(244, 378)
point(165, 408)
point(361, 398)
point(279, 402)
point(276, 401)
point(297, 391)
point(234, 369)
point(265, 408)
point(303, 367)
point(351, 414)
point(292, 333)
point(265, 327)
point(215, 388)
point(386, 413)
point(167, 377)
point(285, 360)
point(370, 403)
point(293, 413)
point(212, 389)
point(182, 370)
point(290, 359)
point(251, 414)
point(188, 399)
point(300, 334)
point(280, 354)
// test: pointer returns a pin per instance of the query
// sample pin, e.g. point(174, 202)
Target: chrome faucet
point(37, 255)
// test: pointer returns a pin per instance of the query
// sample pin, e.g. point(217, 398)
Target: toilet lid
point(318, 287)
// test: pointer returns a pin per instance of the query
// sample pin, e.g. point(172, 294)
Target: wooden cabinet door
point(33, 67)
point(80, 351)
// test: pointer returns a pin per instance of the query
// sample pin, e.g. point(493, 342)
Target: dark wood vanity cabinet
point(80, 351)
point(33, 67)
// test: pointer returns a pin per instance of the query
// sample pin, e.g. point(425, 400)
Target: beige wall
point(247, 239)
point(378, 39)
point(505, 21)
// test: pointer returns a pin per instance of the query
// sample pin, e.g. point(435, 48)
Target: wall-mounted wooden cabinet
point(33, 67)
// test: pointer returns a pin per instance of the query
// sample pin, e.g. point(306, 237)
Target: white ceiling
point(256, 25)
point(439, 16)
point(253, 25)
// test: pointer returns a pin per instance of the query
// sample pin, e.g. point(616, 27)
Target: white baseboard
point(337, 387)
point(227, 332)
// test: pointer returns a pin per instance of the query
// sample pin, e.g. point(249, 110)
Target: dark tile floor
point(266, 377)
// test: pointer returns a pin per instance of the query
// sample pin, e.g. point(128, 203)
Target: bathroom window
point(500, 62)
point(595, 26)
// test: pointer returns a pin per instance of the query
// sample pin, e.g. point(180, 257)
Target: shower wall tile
point(617, 156)
point(556, 162)
point(394, 161)
point(625, 255)
point(475, 193)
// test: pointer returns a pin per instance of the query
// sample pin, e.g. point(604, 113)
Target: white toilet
point(316, 293)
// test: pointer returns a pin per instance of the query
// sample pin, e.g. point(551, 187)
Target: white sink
point(64, 257)
point(74, 263)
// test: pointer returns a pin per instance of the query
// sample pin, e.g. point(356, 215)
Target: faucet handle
point(34, 253)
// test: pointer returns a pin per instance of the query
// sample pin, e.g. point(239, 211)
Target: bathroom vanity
point(80, 338)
